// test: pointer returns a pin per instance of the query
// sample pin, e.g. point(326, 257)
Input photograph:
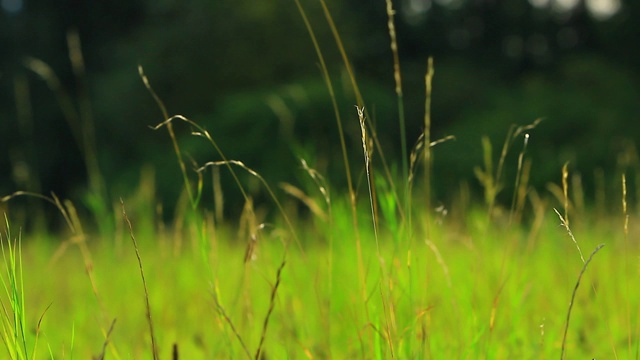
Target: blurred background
point(72, 103)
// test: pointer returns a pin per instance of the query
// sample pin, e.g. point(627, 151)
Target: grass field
point(376, 270)
point(470, 290)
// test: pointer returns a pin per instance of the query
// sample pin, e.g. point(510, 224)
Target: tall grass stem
point(400, 97)
point(428, 81)
point(154, 347)
point(573, 296)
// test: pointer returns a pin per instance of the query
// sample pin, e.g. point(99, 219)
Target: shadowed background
point(249, 74)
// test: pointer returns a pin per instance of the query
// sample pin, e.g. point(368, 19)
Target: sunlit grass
point(484, 293)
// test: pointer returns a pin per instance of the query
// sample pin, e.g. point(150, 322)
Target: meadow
point(375, 269)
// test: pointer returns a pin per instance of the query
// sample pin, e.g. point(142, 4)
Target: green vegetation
point(377, 270)
point(474, 289)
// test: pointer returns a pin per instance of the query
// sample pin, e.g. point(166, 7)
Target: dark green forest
point(75, 114)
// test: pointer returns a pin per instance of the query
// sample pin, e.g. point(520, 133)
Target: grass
point(372, 274)
point(451, 311)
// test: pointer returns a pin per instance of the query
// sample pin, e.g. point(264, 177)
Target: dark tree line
point(229, 64)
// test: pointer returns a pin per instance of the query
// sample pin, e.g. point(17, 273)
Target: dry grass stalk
point(398, 88)
point(65, 101)
point(521, 182)
point(388, 313)
point(205, 134)
point(183, 169)
point(360, 102)
point(539, 210)
point(624, 207)
point(626, 258)
point(53, 200)
point(565, 192)
point(523, 189)
point(324, 190)
point(320, 183)
point(573, 296)
point(226, 317)
point(106, 342)
point(428, 82)
point(305, 199)
point(367, 161)
point(154, 347)
point(90, 152)
point(564, 224)
point(248, 230)
point(272, 302)
point(218, 195)
point(599, 184)
point(416, 153)
point(441, 262)
point(512, 134)
point(38, 328)
point(329, 84)
point(267, 187)
point(578, 194)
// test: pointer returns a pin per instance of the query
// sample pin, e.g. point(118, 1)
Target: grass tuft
point(14, 324)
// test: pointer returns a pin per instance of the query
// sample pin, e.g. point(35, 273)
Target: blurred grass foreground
point(320, 179)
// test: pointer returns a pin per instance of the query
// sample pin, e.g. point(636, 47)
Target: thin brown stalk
point(627, 251)
point(183, 169)
point(398, 82)
point(53, 200)
point(573, 296)
point(367, 165)
point(305, 199)
point(334, 103)
point(428, 79)
point(329, 84)
point(80, 239)
point(106, 342)
point(565, 192)
point(90, 153)
point(226, 317)
point(441, 262)
point(519, 175)
point(218, 195)
point(205, 134)
point(38, 327)
point(386, 308)
point(512, 134)
point(267, 187)
point(565, 224)
point(360, 100)
point(64, 99)
point(321, 183)
point(416, 153)
point(154, 347)
point(272, 302)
